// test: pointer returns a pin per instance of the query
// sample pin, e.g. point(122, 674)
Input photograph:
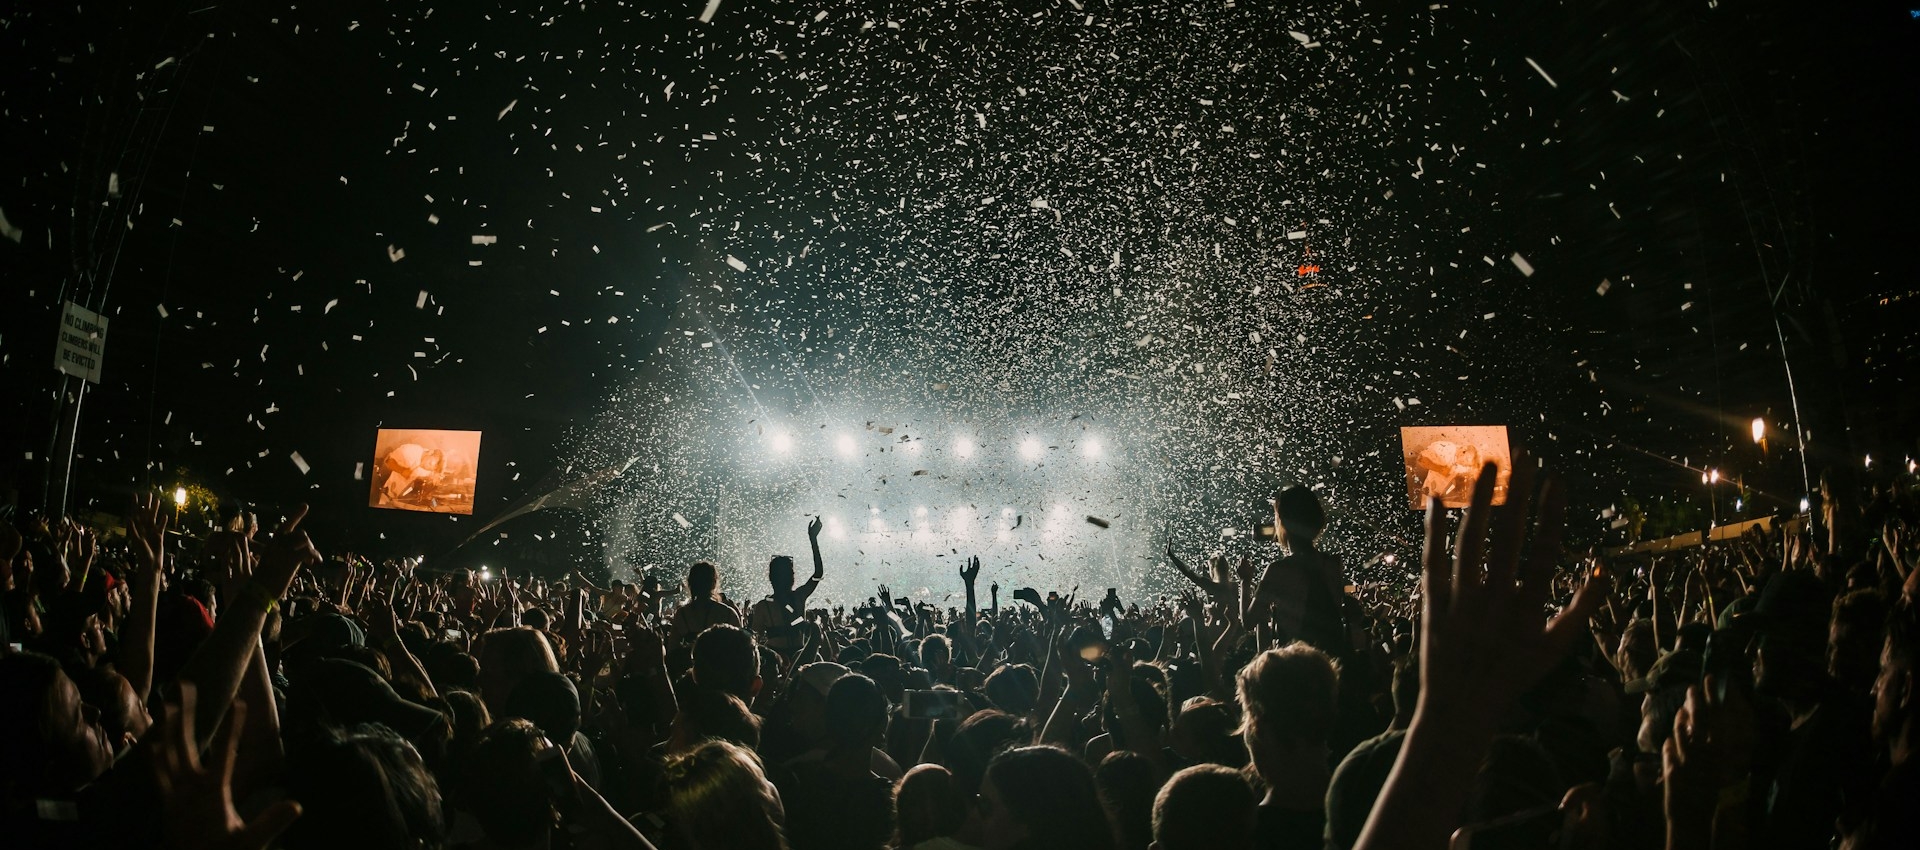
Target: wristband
point(252, 588)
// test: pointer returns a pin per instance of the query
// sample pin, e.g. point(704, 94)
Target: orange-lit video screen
point(1444, 461)
point(422, 470)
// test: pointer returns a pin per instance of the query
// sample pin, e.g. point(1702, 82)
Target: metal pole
point(67, 434)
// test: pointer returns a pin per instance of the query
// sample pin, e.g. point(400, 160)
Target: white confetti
point(1543, 72)
point(300, 462)
point(1521, 263)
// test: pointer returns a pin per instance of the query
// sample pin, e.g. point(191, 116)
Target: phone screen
point(937, 705)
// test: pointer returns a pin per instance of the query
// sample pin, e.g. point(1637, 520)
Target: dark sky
point(265, 156)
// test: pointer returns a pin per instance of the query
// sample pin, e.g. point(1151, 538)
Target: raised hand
point(1484, 635)
point(971, 570)
point(381, 622)
point(283, 556)
point(1710, 750)
point(147, 536)
point(1031, 597)
point(645, 649)
point(197, 798)
point(1484, 639)
point(813, 528)
point(886, 597)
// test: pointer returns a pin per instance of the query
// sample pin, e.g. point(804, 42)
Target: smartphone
point(1543, 828)
point(936, 705)
point(456, 635)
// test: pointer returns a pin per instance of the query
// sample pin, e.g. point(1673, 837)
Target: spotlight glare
point(1091, 447)
point(1713, 477)
point(1805, 505)
point(846, 446)
point(1759, 429)
point(963, 447)
point(1030, 449)
point(920, 510)
point(782, 443)
point(179, 497)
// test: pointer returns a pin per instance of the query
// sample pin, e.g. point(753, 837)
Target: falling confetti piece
point(1543, 72)
point(1519, 262)
point(300, 462)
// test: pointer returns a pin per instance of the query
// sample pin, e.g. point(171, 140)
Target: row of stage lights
point(1030, 449)
point(959, 523)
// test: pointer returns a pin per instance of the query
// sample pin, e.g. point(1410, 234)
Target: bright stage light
point(835, 530)
point(911, 447)
point(1805, 505)
point(846, 446)
point(781, 442)
point(1713, 477)
point(963, 447)
point(179, 497)
point(1091, 447)
point(1030, 449)
point(920, 510)
point(1759, 429)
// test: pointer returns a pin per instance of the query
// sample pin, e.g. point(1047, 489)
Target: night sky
point(897, 222)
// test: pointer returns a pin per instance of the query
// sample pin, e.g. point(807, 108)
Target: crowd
point(241, 690)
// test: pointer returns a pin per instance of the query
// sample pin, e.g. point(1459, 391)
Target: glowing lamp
point(179, 497)
point(1759, 429)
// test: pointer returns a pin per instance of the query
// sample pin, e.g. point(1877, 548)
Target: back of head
point(364, 788)
point(724, 658)
point(856, 712)
point(1052, 795)
point(780, 572)
point(501, 786)
point(1289, 691)
point(1126, 781)
point(718, 799)
point(927, 805)
point(1301, 515)
point(702, 579)
point(710, 715)
point(549, 701)
point(981, 737)
point(1014, 688)
point(1204, 807)
point(508, 656)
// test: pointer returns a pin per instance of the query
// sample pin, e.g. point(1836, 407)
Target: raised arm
point(1482, 644)
point(218, 665)
point(968, 574)
point(147, 542)
point(813, 540)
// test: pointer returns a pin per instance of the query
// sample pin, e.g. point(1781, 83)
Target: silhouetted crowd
point(239, 689)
